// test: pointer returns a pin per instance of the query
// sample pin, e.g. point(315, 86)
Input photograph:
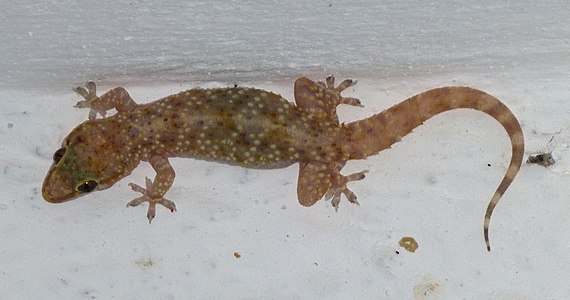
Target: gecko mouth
point(54, 196)
point(55, 192)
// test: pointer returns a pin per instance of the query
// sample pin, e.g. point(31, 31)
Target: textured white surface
point(433, 186)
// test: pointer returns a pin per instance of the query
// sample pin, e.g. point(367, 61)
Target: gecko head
point(87, 161)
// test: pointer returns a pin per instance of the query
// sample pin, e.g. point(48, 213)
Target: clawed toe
point(334, 196)
point(344, 85)
point(330, 80)
point(356, 176)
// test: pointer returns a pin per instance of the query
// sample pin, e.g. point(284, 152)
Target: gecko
point(251, 128)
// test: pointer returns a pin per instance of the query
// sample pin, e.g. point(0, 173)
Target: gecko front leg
point(155, 190)
point(117, 98)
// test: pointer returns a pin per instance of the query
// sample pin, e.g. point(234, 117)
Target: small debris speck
point(145, 263)
point(543, 159)
point(10, 125)
point(237, 255)
point(409, 243)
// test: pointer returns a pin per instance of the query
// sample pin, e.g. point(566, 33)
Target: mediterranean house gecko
point(251, 128)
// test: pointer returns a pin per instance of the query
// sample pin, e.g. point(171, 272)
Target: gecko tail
point(380, 131)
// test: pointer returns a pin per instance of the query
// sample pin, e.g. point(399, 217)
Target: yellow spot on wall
point(409, 243)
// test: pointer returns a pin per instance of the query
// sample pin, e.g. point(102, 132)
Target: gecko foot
point(335, 91)
point(339, 187)
point(90, 96)
point(152, 200)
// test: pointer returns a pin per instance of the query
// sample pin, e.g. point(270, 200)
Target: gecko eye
point(58, 155)
point(86, 186)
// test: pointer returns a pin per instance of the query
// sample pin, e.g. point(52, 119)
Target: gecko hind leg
point(339, 187)
point(329, 86)
point(318, 179)
point(321, 98)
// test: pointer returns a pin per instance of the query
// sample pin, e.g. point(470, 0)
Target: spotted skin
point(251, 128)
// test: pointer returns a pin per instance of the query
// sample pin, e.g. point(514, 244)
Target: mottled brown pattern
point(251, 128)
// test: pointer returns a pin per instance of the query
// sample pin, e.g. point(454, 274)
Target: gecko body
point(251, 128)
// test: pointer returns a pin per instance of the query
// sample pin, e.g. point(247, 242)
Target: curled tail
point(380, 131)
